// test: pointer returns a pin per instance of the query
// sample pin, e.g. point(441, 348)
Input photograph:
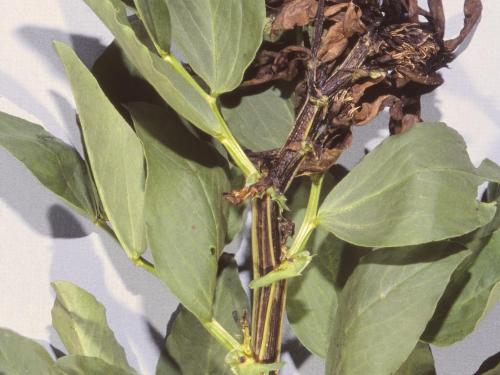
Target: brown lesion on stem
point(268, 302)
point(365, 55)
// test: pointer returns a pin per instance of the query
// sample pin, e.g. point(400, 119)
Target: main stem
point(268, 302)
point(268, 246)
point(268, 305)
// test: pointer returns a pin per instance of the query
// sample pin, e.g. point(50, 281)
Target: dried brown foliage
point(403, 63)
point(354, 58)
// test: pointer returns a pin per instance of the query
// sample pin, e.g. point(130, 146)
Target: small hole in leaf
point(212, 251)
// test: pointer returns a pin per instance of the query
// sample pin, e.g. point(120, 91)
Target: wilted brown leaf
point(369, 111)
point(352, 21)
point(404, 113)
point(333, 43)
point(295, 13)
point(472, 13)
point(437, 15)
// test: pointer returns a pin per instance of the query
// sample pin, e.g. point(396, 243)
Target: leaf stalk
point(223, 336)
point(225, 136)
point(310, 221)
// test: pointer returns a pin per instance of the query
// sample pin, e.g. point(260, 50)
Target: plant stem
point(310, 221)
point(145, 264)
point(221, 335)
point(225, 136)
point(234, 149)
point(293, 152)
point(268, 302)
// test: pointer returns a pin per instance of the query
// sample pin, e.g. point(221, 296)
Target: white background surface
point(41, 241)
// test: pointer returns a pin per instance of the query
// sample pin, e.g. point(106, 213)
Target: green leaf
point(385, 306)
point(489, 170)
point(186, 213)
point(465, 300)
point(56, 165)
point(80, 365)
point(172, 86)
point(80, 321)
point(189, 340)
point(312, 299)
point(218, 38)
point(22, 356)
point(420, 362)
point(154, 14)
point(414, 188)
point(115, 155)
point(260, 121)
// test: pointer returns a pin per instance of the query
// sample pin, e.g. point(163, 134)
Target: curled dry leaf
point(352, 21)
point(404, 113)
point(298, 13)
point(333, 43)
point(271, 66)
point(412, 9)
point(295, 13)
point(369, 111)
point(437, 15)
point(326, 157)
point(472, 13)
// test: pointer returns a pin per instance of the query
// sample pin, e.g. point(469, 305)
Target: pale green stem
point(310, 221)
point(221, 335)
point(143, 263)
point(225, 137)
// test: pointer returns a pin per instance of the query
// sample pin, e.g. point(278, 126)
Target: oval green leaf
point(114, 152)
point(22, 356)
point(385, 306)
point(186, 213)
point(218, 38)
point(414, 188)
point(80, 321)
point(55, 164)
